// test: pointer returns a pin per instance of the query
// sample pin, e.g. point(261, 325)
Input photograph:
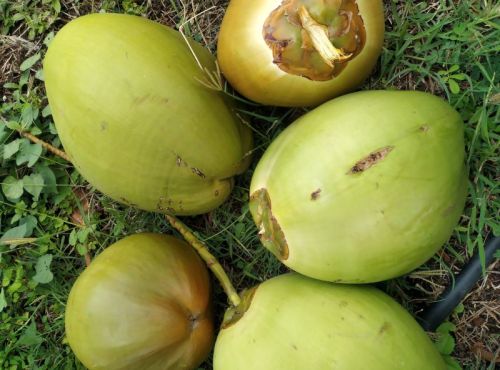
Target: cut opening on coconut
point(270, 233)
point(314, 39)
point(370, 160)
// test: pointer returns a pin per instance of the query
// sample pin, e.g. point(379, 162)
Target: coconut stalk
point(202, 250)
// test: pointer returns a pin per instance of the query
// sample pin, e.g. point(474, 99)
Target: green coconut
point(144, 303)
point(138, 116)
point(364, 188)
point(292, 322)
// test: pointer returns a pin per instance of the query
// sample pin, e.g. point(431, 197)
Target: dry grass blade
point(18, 241)
point(13, 49)
point(212, 79)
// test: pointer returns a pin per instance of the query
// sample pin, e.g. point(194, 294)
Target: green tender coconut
point(134, 114)
point(364, 188)
point(142, 304)
point(297, 323)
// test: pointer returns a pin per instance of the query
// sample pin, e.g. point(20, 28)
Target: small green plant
point(446, 344)
point(452, 78)
point(37, 16)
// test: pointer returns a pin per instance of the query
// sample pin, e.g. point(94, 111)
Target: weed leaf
point(49, 179)
point(30, 222)
point(28, 153)
point(12, 187)
point(28, 115)
point(445, 342)
point(14, 233)
point(30, 337)
point(454, 88)
point(30, 62)
point(11, 148)
point(46, 111)
point(43, 274)
point(33, 184)
point(3, 302)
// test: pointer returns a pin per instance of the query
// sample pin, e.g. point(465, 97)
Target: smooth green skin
point(380, 223)
point(297, 323)
point(136, 121)
point(144, 303)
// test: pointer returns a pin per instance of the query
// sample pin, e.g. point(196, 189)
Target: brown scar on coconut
point(370, 160)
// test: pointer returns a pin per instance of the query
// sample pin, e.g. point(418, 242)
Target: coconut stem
point(209, 259)
point(202, 250)
point(46, 145)
point(319, 37)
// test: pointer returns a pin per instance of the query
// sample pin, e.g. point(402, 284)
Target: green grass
point(449, 48)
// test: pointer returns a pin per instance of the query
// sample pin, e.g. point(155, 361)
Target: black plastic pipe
point(435, 314)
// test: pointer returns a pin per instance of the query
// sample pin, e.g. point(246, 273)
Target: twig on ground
point(46, 145)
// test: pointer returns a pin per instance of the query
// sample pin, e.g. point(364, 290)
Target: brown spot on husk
point(449, 210)
point(385, 326)
point(141, 99)
point(270, 232)
point(165, 205)
point(315, 194)
point(370, 160)
point(179, 161)
point(198, 172)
